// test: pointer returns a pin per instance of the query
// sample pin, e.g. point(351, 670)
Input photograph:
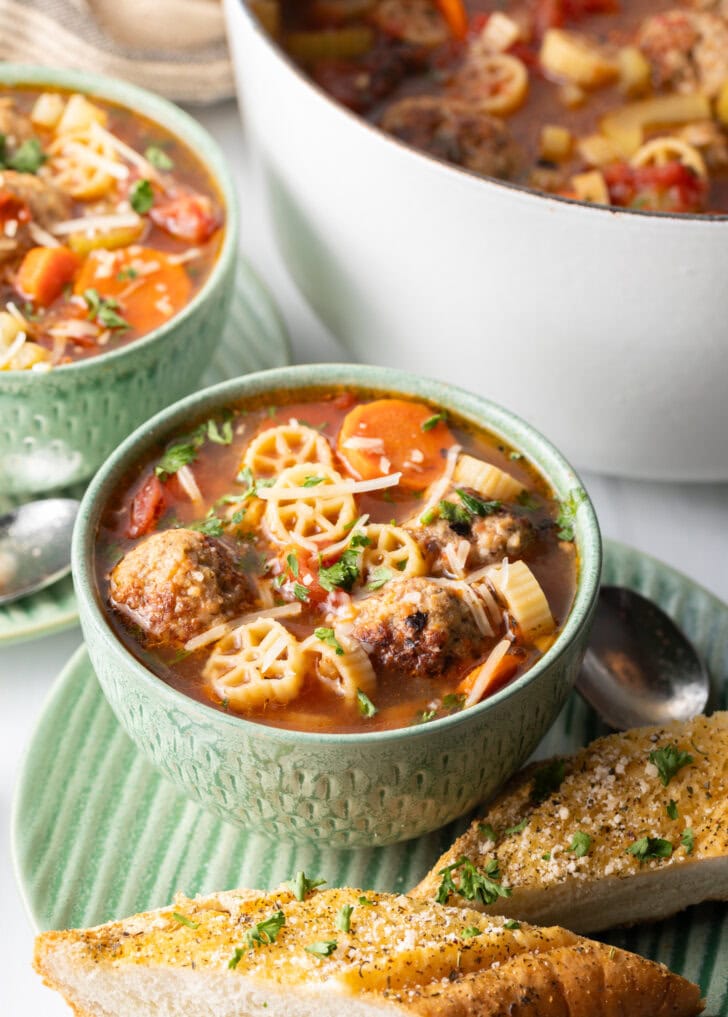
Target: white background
point(685, 525)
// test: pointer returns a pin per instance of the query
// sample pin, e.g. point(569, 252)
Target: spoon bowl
point(35, 546)
point(640, 668)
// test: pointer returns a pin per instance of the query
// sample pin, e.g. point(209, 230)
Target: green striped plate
point(255, 338)
point(98, 834)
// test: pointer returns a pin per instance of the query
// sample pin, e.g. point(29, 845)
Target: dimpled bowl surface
point(341, 790)
point(57, 428)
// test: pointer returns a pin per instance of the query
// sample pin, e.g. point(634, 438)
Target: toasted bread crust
point(400, 956)
point(615, 795)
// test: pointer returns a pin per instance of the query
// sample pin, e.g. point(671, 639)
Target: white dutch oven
point(607, 330)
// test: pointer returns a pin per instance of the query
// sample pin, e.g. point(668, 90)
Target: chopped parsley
point(292, 563)
point(518, 828)
point(312, 481)
point(211, 526)
point(526, 500)
point(487, 831)
point(471, 932)
point(427, 517)
point(185, 451)
point(475, 884)
point(364, 704)
point(343, 917)
point(104, 310)
point(567, 513)
point(546, 856)
point(580, 844)
point(477, 506)
point(433, 421)
point(301, 592)
point(328, 636)
point(184, 920)
point(175, 458)
point(669, 760)
point(425, 716)
point(455, 515)
point(548, 779)
point(511, 923)
point(219, 434)
point(379, 576)
point(650, 847)
point(365, 902)
point(28, 158)
point(359, 540)
point(671, 809)
point(322, 948)
point(301, 886)
point(266, 932)
point(453, 701)
point(127, 274)
point(342, 574)
point(141, 196)
point(158, 158)
point(687, 839)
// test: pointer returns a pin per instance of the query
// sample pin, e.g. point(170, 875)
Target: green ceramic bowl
point(344, 790)
point(57, 428)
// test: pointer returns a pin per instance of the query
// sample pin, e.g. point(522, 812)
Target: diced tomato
point(669, 188)
point(190, 217)
point(478, 22)
point(556, 13)
point(307, 566)
point(343, 401)
point(13, 209)
point(146, 507)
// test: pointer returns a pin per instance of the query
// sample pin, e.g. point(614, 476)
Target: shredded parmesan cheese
point(486, 673)
point(439, 488)
point(90, 224)
point(187, 480)
point(15, 345)
point(222, 629)
point(330, 490)
point(374, 445)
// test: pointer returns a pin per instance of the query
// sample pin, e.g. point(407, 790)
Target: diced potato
point(556, 143)
point(82, 243)
point(721, 104)
point(597, 150)
point(635, 74)
point(626, 126)
point(591, 187)
point(48, 110)
point(500, 33)
point(572, 96)
point(660, 151)
point(29, 355)
point(574, 58)
point(10, 326)
point(79, 114)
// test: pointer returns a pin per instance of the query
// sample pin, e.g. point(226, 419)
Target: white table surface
point(685, 525)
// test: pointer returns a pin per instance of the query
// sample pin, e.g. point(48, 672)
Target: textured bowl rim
point(182, 126)
point(419, 155)
point(476, 409)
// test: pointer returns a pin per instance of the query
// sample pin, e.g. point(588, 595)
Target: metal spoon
point(640, 668)
point(35, 546)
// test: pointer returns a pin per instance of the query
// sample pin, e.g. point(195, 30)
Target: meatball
point(455, 131)
point(46, 203)
point(688, 50)
point(14, 127)
point(417, 22)
point(418, 627)
point(492, 538)
point(177, 583)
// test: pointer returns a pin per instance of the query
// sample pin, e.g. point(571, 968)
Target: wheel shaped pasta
point(488, 480)
point(84, 164)
point(278, 448)
point(497, 83)
point(257, 663)
point(661, 151)
point(341, 665)
point(521, 592)
point(393, 548)
point(318, 511)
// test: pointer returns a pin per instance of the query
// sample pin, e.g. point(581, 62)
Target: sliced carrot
point(148, 287)
point(392, 436)
point(43, 273)
point(453, 11)
point(503, 673)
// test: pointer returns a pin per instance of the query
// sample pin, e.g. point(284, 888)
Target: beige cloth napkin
point(174, 47)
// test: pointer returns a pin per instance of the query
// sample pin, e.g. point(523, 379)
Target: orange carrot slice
point(148, 287)
point(392, 436)
point(43, 273)
point(453, 11)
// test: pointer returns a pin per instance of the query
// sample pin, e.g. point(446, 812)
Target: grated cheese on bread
point(636, 830)
point(398, 956)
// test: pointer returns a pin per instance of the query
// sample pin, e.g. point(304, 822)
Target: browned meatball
point(14, 127)
point(455, 131)
point(418, 627)
point(688, 50)
point(418, 22)
point(497, 536)
point(177, 583)
point(47, 204)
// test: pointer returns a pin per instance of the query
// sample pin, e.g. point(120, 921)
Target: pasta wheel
point(84, 164)
point(661, 151)
point(391, 548)
point(314, 519)
point(344, 674)
point(277, 448)
point(495, 82)
point(257, 663)
point(517, 586)
point(79, 115)
point(489, 481)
